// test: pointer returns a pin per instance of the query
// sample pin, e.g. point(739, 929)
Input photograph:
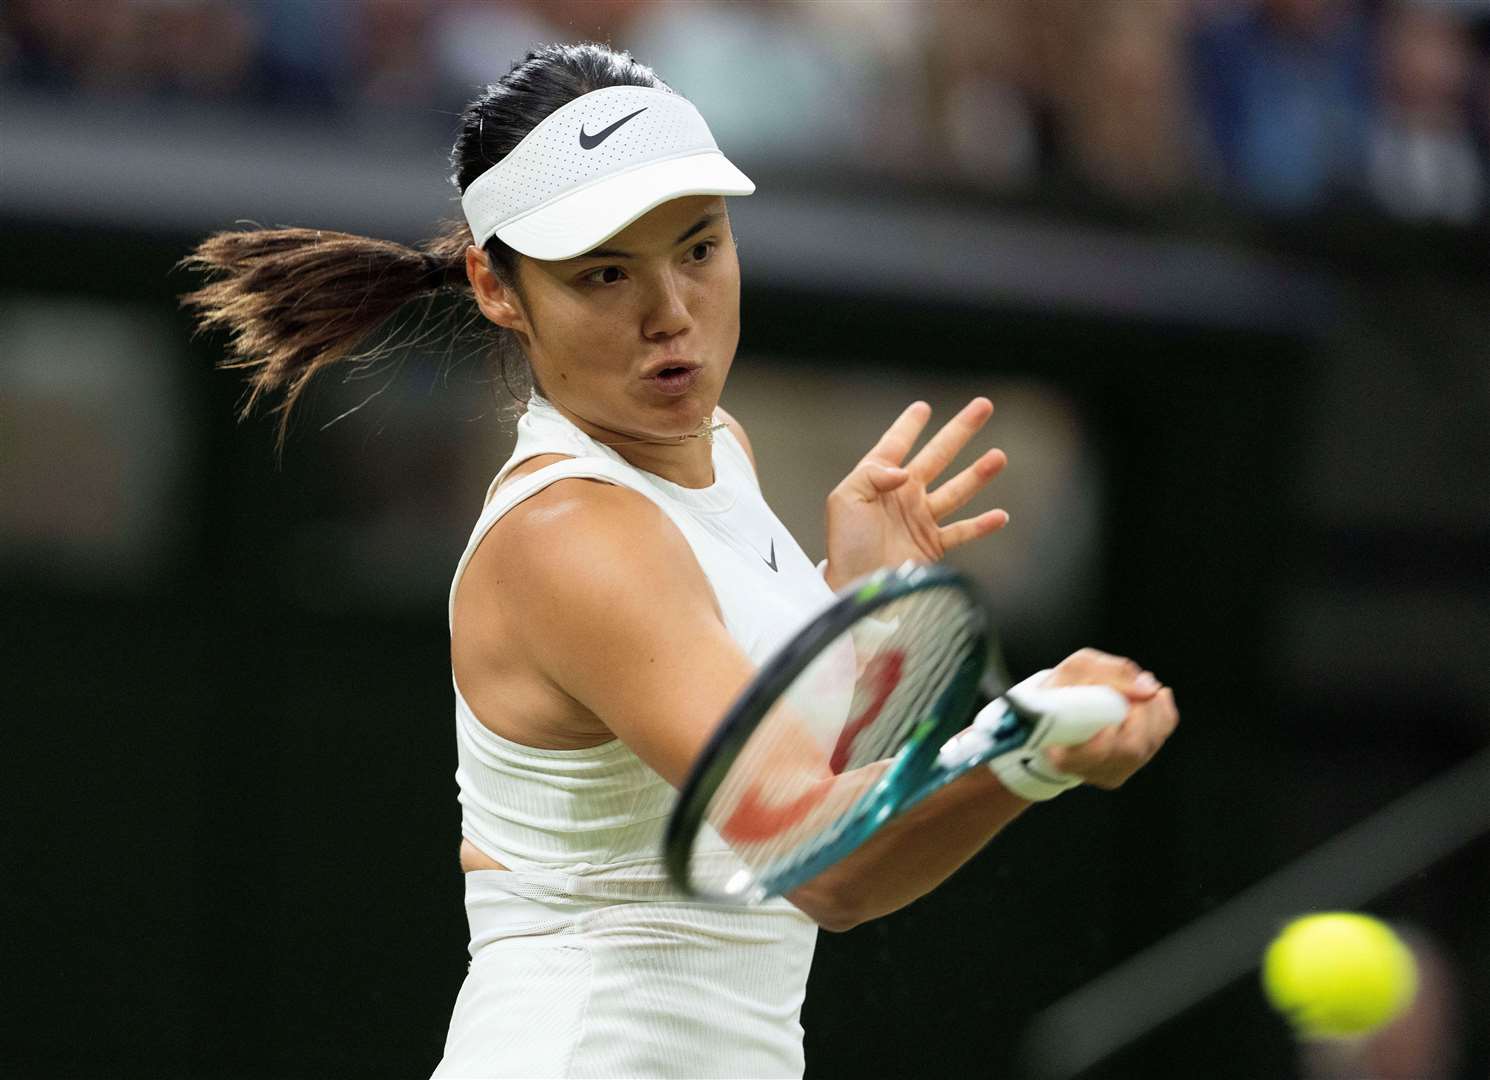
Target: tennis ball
point(1338, 974)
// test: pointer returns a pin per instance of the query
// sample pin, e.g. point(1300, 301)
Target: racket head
point(876, 683)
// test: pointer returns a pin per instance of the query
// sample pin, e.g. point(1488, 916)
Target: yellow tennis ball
point(1338, 974)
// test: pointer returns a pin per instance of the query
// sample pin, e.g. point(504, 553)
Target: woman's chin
point(679, 414)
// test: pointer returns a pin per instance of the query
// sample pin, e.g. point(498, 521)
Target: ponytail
point(295, 301)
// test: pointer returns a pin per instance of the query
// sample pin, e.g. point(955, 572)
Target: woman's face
point(638, 335)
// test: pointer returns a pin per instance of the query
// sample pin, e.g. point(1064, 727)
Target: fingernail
point(1146, 682)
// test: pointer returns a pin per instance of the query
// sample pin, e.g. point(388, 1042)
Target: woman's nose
point(668, 313)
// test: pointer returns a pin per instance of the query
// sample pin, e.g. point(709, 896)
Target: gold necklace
point(705, 431)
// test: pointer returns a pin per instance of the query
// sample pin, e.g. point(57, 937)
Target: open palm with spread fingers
point(885, 513)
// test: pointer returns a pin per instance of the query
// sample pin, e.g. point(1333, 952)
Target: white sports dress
point(584, 961)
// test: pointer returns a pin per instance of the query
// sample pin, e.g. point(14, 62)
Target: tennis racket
point(848, 725)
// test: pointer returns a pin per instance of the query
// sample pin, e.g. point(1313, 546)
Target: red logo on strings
point(754, 819)
point(883, 672)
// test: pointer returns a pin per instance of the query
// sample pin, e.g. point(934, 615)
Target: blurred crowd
point(1286, 106)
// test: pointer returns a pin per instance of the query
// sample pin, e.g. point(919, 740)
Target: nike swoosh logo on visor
point(589, 142)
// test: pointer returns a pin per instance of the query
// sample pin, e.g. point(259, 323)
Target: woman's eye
point(604, 275)
point(609, 275)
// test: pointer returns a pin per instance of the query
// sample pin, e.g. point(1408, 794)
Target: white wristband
point(1031, 777)
point(1026, 772)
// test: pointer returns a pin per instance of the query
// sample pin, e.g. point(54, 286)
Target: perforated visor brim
point(580, 220)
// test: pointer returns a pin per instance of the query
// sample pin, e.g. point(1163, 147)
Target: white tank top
point(673, 987)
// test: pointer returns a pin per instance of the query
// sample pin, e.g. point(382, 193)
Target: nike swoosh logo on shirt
point(771, 562)
point(589, 142)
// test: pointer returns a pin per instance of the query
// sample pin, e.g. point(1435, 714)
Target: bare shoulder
point(531, 465)
point(579, 540)
point(577, 514)
point(739, 432)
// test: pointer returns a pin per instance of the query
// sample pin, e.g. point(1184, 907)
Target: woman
point(626, 578)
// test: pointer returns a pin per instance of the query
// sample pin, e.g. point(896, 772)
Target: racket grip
point(1070, 714)
point(1063, 716)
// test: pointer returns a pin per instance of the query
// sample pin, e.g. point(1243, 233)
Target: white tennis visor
point(593, 167)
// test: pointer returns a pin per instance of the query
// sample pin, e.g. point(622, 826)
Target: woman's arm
point(611, 607)
point(912, 854)
point(608, 604)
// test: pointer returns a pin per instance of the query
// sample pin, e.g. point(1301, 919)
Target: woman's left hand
point(882, 513)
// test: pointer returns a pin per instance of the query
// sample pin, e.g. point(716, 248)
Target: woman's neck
point(687, 460)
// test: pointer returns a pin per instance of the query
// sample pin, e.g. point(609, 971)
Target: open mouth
point(675, 378)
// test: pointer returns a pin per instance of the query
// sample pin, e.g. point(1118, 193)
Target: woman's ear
point(496, 301)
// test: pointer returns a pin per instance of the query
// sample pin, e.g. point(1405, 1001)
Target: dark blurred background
point(1223, 265)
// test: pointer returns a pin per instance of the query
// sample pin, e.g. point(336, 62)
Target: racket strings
point(913, 711)
point(944, 636)
point(830, 721)
point(922, 682)
point(855, 707)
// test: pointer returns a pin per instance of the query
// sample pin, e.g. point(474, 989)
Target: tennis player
point(626, 578)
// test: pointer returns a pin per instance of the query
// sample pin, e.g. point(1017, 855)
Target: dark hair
point(295, 301)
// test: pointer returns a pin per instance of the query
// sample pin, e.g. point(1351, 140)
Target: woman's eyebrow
point(611, 253)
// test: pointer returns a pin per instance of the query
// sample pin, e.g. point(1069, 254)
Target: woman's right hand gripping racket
point(851, 723)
